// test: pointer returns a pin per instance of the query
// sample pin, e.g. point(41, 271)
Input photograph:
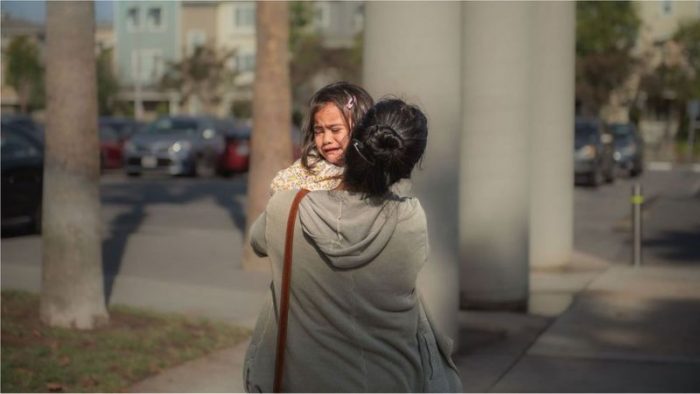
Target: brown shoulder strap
point(284, 295)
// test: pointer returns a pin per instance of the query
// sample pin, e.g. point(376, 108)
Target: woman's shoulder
point(411, 212)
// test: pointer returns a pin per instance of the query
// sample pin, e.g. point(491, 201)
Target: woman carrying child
point(356, 322)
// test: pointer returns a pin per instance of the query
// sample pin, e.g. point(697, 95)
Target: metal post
point(637, 201)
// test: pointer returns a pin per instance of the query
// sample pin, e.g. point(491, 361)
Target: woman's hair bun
point(388, 143)
point(383, 142)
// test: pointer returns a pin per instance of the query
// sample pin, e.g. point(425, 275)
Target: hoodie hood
point(348, 230)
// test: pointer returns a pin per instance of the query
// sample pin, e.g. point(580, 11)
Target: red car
point(114, 131)
point(236, 156)
point(111, 149)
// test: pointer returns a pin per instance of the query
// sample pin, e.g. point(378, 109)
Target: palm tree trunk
point(72, 286)
point(271, 141)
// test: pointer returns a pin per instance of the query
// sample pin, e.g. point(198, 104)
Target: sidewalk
point(592, 327)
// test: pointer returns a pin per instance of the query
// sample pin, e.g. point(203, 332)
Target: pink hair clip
point(351, 102)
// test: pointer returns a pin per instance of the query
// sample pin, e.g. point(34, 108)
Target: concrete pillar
point(495, 154)
point(552, 183)
point(412, 50)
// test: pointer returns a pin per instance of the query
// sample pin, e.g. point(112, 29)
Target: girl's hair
point(352, 101)
point(385, 147)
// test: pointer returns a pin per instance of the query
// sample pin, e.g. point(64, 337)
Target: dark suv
point(593, 152)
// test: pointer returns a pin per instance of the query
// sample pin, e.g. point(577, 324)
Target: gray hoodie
point(355, 319)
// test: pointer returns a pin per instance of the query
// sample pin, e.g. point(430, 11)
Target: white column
point(552, 183)
point(495, 154)
point(412, 50)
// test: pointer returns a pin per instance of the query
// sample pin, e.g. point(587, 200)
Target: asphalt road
point(176, 230)
point(188, 230)
point(671, 218)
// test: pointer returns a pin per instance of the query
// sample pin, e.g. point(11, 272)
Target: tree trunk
point(271, 142)
point(72, 288)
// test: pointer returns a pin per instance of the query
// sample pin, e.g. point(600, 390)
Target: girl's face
point(331, 133)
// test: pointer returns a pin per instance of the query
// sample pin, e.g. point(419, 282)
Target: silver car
point(176, 145)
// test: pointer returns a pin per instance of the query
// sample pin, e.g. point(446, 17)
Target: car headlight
point(586, 152)
point(180, 147)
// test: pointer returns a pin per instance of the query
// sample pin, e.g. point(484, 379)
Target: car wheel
point(204, 168)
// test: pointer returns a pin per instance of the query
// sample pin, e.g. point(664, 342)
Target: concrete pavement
point(591, 327)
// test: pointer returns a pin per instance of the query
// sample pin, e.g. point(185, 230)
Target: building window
point(195, 39)
point(147, 66)
point(244, 16)
point(358, 21)
point(667, 7)
point(322, 15)
point(245, 62)
point(132, 19)
point(155, 18)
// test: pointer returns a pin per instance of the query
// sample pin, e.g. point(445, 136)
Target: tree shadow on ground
point(682, 247)
point(133, 196)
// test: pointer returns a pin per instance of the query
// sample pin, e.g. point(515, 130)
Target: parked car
point(114, 132)
point(111, 148)
point(177, 145)
point(236, 157)
point(629, 148)
point(593, 152)
point(22, 177)
point(25, 123)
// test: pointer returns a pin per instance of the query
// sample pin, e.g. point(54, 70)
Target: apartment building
point(146, 40)
point(338, 22)
point(149, 34)
point(236, 32)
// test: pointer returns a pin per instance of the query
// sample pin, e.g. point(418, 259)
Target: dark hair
point(352, 101)
point(385, 147)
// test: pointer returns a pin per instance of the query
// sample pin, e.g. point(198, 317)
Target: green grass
point(136, 344)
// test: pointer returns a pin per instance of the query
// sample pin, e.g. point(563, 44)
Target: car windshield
point(585, 133)
point(172, 126)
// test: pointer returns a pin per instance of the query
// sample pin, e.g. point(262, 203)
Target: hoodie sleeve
point(257, 235)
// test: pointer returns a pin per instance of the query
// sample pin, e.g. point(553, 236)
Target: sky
point(35, 11)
